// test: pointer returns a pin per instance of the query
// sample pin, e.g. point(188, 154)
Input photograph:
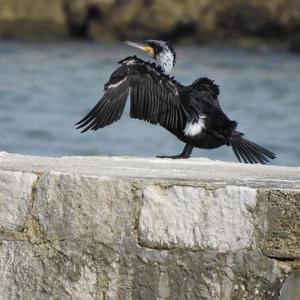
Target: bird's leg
point(186, 153)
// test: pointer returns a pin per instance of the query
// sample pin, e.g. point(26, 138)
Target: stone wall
point(246, 22)
point(137, 228)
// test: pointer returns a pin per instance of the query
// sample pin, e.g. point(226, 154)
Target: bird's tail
point(247, 151)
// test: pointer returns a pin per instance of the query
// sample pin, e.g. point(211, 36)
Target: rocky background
point(247, 22)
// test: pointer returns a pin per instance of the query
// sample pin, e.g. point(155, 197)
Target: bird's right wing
point(154, 96)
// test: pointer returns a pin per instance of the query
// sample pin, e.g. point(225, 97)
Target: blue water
point(46, 88)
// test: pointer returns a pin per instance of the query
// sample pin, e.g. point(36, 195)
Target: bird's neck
point(166, 61)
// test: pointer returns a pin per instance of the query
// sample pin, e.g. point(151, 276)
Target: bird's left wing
point(155, 98)
point(204, 89)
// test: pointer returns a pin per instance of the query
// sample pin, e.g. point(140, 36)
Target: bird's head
point(161, 51)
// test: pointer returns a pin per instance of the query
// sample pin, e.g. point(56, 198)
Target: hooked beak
point(146, 48)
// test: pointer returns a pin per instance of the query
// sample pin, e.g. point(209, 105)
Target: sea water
point(46, 88)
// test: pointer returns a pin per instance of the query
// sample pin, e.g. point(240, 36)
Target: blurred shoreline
point(244, 23)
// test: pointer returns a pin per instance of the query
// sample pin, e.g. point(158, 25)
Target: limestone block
point(25, 275)
point(79, 207)
point(196, 218)
point(20, 274)
point(282, 227)
point(15, 195)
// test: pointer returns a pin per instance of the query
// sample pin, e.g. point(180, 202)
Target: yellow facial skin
point(146, 48)
point(149, 50)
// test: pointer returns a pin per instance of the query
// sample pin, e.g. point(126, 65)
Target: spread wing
point(204, 89)
point(154, 97)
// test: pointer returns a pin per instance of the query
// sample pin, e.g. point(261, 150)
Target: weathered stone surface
point(197, 218)
point(193, 170)
point(76, 207)
point(15, 195)
point(291, 288)
point(137, 228)
point(282, 230)
point(26, 275)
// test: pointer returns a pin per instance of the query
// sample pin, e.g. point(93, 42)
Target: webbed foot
point(186, 153)
point(179, 156)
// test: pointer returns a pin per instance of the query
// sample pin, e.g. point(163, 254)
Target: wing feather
point(206, 90)
point(154, 97)
point(108, 110)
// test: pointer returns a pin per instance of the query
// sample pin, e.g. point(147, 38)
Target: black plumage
point(192, 113)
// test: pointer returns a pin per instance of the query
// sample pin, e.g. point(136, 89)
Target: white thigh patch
point(194, 128)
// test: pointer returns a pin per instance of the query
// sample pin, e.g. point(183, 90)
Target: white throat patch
point(194, 128)
point(165, 60)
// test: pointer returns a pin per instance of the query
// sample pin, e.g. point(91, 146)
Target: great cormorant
point(192, 113)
